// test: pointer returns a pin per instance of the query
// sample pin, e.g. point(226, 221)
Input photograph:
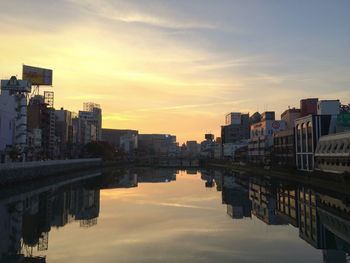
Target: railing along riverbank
point(25, 171)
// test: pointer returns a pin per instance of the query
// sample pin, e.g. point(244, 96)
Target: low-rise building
point(158, 144)
point(229, 149)
point(284, 148)
point(308, 130)
point(333, 153)
point(236, 127)
point(261, 138)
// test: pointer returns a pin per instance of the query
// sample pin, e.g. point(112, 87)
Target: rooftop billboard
point(37, 76)
point(15, 84)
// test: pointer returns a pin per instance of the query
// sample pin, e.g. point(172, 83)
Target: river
point(168, 215)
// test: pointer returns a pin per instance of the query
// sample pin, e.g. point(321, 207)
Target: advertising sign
point(14, 84)
point(37, 76)
point(276, 125)
point(344, 119)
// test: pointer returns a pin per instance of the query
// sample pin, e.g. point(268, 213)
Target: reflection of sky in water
point(176, 221)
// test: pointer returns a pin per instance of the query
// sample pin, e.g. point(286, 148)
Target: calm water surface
point(173, 216)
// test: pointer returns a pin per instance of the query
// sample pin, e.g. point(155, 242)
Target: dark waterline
point(157, 215)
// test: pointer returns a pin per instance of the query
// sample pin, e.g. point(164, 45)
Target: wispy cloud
point(127, 13)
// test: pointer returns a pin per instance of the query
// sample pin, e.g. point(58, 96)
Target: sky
point(178, 66)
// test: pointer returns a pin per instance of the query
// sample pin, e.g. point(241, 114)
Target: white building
point(333, 153)
point(261, 137)
point(92, 113)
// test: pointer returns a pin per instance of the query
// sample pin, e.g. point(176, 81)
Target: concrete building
point(284, 144)
point(125, 140)
point(40, 116)
point(236, 128)
point(129, 142)
point(229, 149)
point(64, 131)
point(7, 123)
point(333, 153)
point(284, 148)
point(192, 148)
point(261, 138)
point(208, 146)
point(308, 106)
point(92, 113)
point(308, 130)
point(328, 107)
point(289, 116)
point(158, 144)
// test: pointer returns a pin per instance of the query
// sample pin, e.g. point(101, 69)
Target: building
point(230, 149)
point(283, 141)
point(158, 144)
point(125, 140)
point(40, 116)
point(308, 106)
point(92, 113)
point(284, 148)
point(308, 130)
point(261, 138)
point(7, 124)
point(192, 148)
point(331, 107)
point(289, 116)
point(208, 146)
point(64, 131)
point(236, 128)
point(333, 153)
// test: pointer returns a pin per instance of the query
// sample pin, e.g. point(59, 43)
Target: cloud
point(138, 13)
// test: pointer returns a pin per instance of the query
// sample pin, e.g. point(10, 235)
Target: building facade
point(261, 138)
point(308, 131)
point(236, 128)
point(333, 153)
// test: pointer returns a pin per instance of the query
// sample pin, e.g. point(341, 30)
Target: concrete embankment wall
point(26, 171)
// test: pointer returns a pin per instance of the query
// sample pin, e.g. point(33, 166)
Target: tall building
point(92, 113)
point(7, 123)
point(40, 116)
point(64, 130)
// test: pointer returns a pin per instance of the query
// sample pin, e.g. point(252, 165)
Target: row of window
point(334, 162)
point(333, 147)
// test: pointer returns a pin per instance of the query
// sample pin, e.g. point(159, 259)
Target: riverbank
point(12, 173)
point(340, 183)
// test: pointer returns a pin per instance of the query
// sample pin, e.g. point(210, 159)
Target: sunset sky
point(177, 66)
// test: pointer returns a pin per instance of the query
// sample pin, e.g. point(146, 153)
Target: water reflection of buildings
point(323, 218)
point(264, 204)
point(156, 176)
point(26, 219)
point(236, 197)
